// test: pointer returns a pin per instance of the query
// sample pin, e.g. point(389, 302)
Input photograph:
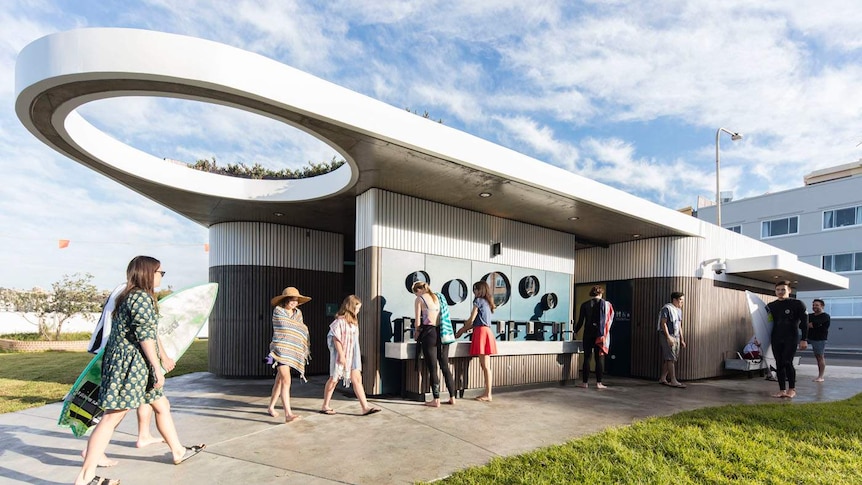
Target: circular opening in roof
point(186, 131)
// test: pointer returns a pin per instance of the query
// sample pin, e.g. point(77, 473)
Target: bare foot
point(584, 385)
point(484, 398)
point(819, 379)
point(791, 393)
point(434, 403)
point(142, 442)
point(273, 412)
point(289, 418)
point(451, 401)
point(780, 394)
point(103, 462)
point(599, 385)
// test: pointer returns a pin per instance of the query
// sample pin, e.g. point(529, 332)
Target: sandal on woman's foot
point(190, 452)
point(371, 411)
point(103, 481)
point(328, 412)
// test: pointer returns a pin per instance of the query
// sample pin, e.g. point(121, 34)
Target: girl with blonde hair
point(345, 360)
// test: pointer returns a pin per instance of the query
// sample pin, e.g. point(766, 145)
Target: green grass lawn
point(768, 443)
point(30, 379)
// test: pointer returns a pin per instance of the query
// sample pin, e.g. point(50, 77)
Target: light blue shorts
point(817, 346)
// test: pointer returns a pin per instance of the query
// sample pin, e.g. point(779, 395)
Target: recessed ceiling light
point(485, 195)
point(573, 218)
point(636, 235)
point(277, 214)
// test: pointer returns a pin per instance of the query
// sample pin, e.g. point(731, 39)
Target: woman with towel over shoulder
point(289, 348)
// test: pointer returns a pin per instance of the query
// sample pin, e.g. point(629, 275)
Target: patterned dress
point(124, 367)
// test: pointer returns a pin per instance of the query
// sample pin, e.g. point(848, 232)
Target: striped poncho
point(289, 340)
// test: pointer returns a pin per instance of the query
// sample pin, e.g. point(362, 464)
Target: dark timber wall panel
point(508, 370)
point(715, 322)
point(240, 327)
point(368, 291)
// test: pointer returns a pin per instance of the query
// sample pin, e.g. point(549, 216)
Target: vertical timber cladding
point(253, 262)
point(715, 317)
point(370, 332)
point(716, 324)
point(388, 221)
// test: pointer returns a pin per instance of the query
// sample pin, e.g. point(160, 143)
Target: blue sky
point(627, 95)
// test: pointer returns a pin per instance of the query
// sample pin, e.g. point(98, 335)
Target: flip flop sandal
point(190, 452)
point(371, 411)
point(328, 412)
point(103, 481)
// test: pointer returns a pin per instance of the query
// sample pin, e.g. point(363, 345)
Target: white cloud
point(580, 85)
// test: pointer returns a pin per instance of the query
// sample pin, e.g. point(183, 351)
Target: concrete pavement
point(406, 442)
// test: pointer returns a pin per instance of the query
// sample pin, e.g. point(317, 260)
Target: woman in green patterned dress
point(130, 357)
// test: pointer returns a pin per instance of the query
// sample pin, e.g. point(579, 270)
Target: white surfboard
point(181, 316)
point(762, 326)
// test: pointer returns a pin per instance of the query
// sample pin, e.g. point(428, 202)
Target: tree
point(71, 296)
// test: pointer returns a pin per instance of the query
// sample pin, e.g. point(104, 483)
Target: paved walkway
point(404, 443)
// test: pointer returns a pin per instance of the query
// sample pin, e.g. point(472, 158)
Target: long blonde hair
point(421, 285)
point(346, 311)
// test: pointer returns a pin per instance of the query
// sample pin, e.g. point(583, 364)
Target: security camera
point(719, 268)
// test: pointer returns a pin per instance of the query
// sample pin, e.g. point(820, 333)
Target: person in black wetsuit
point(787, 315)
point(818, 330)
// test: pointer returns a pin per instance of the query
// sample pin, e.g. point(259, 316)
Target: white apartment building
point(821, 222)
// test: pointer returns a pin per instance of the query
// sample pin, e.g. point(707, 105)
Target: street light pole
point(735, 137)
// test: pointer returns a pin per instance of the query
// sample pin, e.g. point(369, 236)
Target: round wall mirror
point(528, 287)
point(414, 277)
point(455, 291)
point(549, 301)
point(501, 288)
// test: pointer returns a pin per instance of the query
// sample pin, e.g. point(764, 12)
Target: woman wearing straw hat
point(289, 347)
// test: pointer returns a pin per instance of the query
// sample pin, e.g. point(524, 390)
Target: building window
point(850, 216)
point(779, 227)
point(840, 263)
point(850, 307)
point(736, 229)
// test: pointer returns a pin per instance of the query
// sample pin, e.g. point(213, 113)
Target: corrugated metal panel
point(389, 220)
point(240, 326)
point(665, 257)
point(648, 258)
point(263, 244)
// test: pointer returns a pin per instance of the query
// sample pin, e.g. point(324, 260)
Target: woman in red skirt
point(484, 343)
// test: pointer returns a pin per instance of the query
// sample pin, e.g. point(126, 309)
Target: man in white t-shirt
point(671, 339)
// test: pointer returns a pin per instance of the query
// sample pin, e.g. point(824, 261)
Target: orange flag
point(64, 243)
